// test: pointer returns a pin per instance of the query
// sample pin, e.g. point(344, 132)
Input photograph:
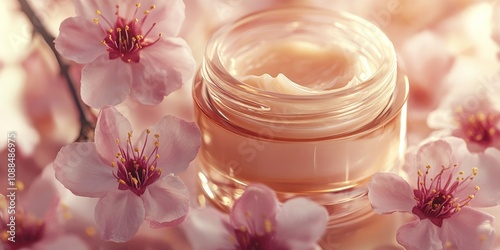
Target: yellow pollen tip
point(137, 20)
point(98, 12)
point(472, 119)
point(136, 150)
point(20, 185)
point(152, 7)
point(428, 166)
point(474, 171)
point(117, 141)
point(146, 12)
point(90, 231)
point(67, 215)
point(157, 136)
point(129, 134)
point(103, 42)
point(135, 181)
point(157, 143)
point(96, 20)
point(157, 156)
point(461, 172)
point(118, 29)
point(491, 131)
point(113, 164)
point(123, 160)
point(138, 5)
point(419, 173)
point(148, 131)
point(122, 182)
point(4, 236)
point(471, 196)
point(144, 157)
point(110, 31)
point(477, 188)
point(152, 168)
point(127, 27)
point(481, 117)
point(268, 226)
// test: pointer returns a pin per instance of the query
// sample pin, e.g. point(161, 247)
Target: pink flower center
point(135, 168)
point(28, 231)
point(436, 197)
point(251, 241)
point(477, 127)
point(125, 39)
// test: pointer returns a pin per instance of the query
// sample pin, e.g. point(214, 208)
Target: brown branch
point(86, 126)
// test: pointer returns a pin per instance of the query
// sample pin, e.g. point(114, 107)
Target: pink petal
point(166, 201)
point(300, 224)
point(111, 125)
point(209, 228)
point(427, 60)
point(389, 193)
point(419, 234)
point(80, 40)
point(80, 169)
point(42, 197)
point(179, 143)
point(465, 161)
point(168, 16)
point(487, 179)
point(468, 229)
point(105, 82)
point(118, 215)
point(256, 205)
point(87, 9)
point(163, 68)
point(434, 153)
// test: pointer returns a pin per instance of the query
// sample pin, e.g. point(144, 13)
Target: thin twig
point(86, 126)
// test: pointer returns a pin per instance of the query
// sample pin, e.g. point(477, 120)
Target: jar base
point(345, 208)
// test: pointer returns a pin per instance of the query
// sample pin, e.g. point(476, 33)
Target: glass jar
point(321, 133)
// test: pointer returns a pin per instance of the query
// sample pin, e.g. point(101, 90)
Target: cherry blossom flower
point(473, 116)
point(132, 177)
point(129, 48)
point(36, 211)
point(445, 181)
point(258, 221)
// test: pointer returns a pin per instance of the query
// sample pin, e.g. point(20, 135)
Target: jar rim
point(216, 65)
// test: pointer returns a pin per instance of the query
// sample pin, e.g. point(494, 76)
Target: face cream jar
point(307, 101)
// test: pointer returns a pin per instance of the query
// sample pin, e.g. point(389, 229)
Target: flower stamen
point(135, 170)
point(477, 126)
point(124, 39)
point(436, 199)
